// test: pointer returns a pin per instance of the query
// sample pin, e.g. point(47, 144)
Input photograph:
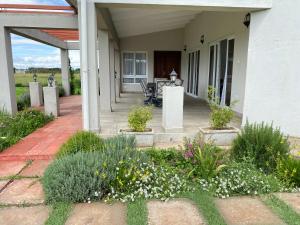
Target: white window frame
point(134, 69)
point(192, 89)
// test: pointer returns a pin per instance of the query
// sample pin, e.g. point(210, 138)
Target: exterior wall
point(216, 26)
point(171, 40)
point(272, 85)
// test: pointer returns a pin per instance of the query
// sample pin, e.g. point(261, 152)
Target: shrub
point(23, 101)
point(242, 179)
point(262, 143)
point(61, 91)
point(220, 116)
point(138, 118)
point(288, 170)
point(13, 128)
point(82, 141)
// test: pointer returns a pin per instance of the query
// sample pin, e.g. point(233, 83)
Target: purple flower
point(188, 154)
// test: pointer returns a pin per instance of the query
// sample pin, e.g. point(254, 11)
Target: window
point(193, 72)
point(134, 67)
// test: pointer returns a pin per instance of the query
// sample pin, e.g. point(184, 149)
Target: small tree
point(220, 116)
point(138, 118)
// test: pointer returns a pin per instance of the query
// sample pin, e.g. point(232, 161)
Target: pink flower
point(189, 154)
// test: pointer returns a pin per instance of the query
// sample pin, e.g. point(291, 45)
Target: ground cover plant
point(14, 128)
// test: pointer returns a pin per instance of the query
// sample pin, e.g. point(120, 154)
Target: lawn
point(21, 90)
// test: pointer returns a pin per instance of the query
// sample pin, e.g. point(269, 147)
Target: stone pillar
point(7, 82)
point(112, 71)
point(89, 66)
point(51, 100)
point(65, 72)
point(118, 73)
point(104, 71)
point(172, 118)
point(36, 94)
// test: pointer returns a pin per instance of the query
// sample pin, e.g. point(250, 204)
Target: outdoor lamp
point(173, 76)
point(34, 76)
point(202, 39)
point(247, 20)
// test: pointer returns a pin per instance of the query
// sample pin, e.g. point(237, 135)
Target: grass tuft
point(137, 212)
point(60, 213)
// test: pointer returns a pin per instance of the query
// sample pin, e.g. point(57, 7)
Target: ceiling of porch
point(137, 21)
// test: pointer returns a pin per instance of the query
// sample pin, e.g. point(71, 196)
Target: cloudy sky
point(28, 53)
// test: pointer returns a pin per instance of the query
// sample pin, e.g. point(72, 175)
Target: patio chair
point(148, 93)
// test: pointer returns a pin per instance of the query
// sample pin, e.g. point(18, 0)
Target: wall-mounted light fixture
point(184, 48)
point(202, 39)
point(247, 20)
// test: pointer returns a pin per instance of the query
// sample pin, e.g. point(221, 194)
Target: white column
point(112, 71)
point(7, 81)
point(89, 68)
point(118, 70)
point(104, 71)
point(65, 72)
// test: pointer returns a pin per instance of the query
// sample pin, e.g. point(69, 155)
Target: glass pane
point(211, 65)
point(223, 60)
point(229, 71)
point(197, 72)
point(140, 64)
point(128, 80)
point(128, 63)
point(138, 80)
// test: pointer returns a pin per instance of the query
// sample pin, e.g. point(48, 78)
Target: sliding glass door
point(193, 73)
point(220, 69)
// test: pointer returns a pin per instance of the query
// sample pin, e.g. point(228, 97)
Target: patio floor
point(195, 115)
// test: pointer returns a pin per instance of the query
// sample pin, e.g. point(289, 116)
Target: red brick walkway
point(45, 142)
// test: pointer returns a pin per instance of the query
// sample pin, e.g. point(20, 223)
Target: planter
point(218, 137)
point(143, 139)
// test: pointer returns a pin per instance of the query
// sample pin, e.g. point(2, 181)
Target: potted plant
point(137, 121)
point(219, 132)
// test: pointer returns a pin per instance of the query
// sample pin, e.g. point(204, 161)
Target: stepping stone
point(174, 212)
point(292, 199)
point(23, 191)
point(246, 211)
point(10, 168)
point(36, 168)
point(34, 215)
point(98, 214)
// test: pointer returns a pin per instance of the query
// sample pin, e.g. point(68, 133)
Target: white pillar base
point(51, 101)
point(172, 117)
point(36, 94)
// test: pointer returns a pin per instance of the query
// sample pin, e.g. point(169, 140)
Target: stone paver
point(292, 199)
point(23, 191)
point(9, 168)
point(36, 168)
point(246, 211)
point(98, 214)
point(34, 215)
point(174, 212)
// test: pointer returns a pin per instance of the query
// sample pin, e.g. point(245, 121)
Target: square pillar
point(65, 72)
point(172, 118)
point(89, 66)
point(36, 94)
point(51, 100)
point(112, 71)
point(104, 71)
point(7, 81)
point(118, 73)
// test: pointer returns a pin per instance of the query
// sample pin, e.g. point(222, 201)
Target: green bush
point(242, 179)
point(61, 91)
point(23, 101)
point(82, 141)
point(220, 116)
point(261, 143)
point(13, 128)
point(138, 118)
point(288, 169)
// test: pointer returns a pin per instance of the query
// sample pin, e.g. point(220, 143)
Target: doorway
point(165, 62)
point(221, 68)
point(193, 73)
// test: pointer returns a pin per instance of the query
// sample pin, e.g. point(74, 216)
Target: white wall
point(215, 26)
point(171, 40)
point(273, 74)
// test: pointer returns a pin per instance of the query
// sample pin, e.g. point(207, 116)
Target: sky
point(29, 53)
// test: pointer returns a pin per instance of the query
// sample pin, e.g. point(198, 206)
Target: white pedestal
point(51, 101)
point(172, 117)
point(36, 94)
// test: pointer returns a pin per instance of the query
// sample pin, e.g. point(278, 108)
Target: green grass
point(284, 211)
point(59, 214)
point(21, 90)
point(206, 205)
point(137, 213)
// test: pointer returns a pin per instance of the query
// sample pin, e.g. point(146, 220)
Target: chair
point(148, 93)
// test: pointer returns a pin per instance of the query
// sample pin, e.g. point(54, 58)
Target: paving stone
point(33, 215)
point(292, 199)
point(246, 211)
point(98, 214)
point(174, 212)
point(23, 191)
point(9, 168)
point(36, 168)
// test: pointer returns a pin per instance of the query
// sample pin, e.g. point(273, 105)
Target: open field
point(21, 90)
